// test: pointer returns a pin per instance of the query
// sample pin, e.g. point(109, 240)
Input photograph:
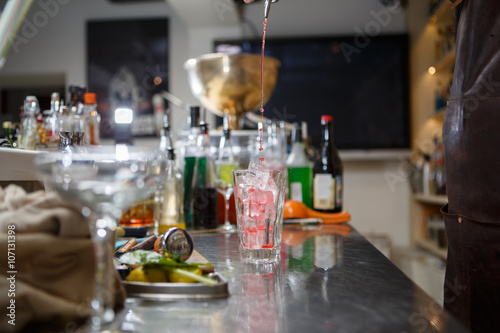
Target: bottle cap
point(326, 118)
point(90, 98)
point(31, 105)
point(55, 96)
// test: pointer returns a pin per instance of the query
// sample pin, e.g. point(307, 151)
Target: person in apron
point(471, 138)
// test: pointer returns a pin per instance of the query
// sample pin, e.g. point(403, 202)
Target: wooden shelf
point(433, 248)
point(447, 62)
point(432, 199)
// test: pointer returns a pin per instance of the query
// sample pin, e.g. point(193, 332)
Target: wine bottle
point(327, 172)
point(204, 189)
point(190, 150)
point(299, 169)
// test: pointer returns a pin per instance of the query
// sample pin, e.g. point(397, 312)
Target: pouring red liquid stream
point(261, 130)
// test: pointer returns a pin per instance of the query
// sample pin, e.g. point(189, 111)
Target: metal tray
point(168, 291)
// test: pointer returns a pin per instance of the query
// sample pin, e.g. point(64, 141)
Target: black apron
point(471, 134)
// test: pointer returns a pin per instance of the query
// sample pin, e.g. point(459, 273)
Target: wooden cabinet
point(432, 58)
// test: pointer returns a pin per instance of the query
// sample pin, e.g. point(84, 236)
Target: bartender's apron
point(471, 134)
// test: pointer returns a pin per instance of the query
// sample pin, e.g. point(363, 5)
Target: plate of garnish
point(174, 271)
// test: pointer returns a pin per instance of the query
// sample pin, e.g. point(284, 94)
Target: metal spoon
point(177, 241)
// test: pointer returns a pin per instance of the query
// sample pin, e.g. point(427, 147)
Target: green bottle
point(7, 131)
point(191, 151)
point(299, 169)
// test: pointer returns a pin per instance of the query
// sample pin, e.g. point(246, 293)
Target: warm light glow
point(225, 64)
point(124, 116)
point(432, 70)
point(157, 80)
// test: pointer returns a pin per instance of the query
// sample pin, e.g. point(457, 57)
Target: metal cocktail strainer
point(177, 241)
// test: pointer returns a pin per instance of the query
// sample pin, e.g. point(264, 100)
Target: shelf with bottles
point(433, 199)
point(429, 229)
point(440, 10)
point(39, 129)
point(443, 23)
point(428, 178)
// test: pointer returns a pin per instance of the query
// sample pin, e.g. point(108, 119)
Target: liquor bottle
point(92, 120)
point(51, 122)
point(29, 133)
point(327, 172)
point(440, 167)
point(7, 131)
point(40, 123)
point(204, 189)
point(170, 199)
point(74, 120)
point(190, 149)
point(299, 169)
point(427, 175)
point(62, 116)
point(166, 141)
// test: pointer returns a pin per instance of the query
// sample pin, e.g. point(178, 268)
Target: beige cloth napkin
point(54, 264)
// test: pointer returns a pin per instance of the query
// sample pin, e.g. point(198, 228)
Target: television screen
point(363, 85)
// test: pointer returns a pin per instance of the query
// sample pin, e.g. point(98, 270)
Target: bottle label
point(324, 191)
point(296, 191)
point(338, 190)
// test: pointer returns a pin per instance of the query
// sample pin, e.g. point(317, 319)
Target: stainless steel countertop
point(328, 279)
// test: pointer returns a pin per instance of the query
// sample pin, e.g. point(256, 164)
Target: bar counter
point(329, 278)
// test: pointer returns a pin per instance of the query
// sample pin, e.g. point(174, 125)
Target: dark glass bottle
point(327, 172)
point(190, 150)
point(204, 190)
point(7, 131)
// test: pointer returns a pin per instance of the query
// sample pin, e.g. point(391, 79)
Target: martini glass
point(224, 165)
point(103, 182)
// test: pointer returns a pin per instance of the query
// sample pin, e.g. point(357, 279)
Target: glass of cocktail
point(260, 196)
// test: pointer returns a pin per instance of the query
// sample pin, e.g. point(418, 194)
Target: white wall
point(375, 204)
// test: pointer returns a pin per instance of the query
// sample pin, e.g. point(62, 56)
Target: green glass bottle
point(299, 169)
